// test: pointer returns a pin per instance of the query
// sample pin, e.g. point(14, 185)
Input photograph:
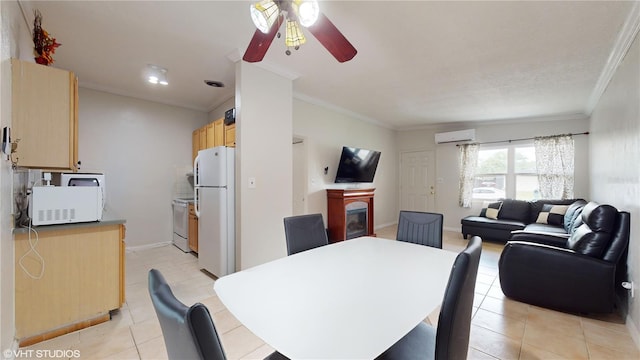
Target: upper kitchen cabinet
point(45, 116)
point(219, 136)
point(230, 135)
point(211, 135)
point(203, 137)
point(195, 144)
point(215, 134)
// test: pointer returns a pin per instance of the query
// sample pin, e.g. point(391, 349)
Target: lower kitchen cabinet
point(193, 229)
point(70, 278)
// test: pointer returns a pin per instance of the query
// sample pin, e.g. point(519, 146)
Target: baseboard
point(382, 226)
point(148, 246)
point(453, 229)
point(10, 354)
point(28, 341)
point(633, 330)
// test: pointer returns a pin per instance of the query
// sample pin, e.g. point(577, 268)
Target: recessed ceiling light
point(214, 83)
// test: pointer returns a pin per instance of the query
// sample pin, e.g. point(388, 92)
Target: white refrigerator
point(214, 200)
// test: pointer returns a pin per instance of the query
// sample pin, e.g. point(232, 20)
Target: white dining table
point(348, 300)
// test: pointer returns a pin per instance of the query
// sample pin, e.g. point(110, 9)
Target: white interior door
point(417, 185)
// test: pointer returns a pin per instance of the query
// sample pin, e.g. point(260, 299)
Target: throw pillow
point(517, 210)
point(493, 210)
point(552, 214)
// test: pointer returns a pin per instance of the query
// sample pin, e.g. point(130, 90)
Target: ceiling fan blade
point(332, 39)
point(260, 43)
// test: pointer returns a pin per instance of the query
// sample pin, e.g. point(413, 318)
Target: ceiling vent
point(456, 136)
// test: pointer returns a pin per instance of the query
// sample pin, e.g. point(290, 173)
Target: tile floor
point(501, 328)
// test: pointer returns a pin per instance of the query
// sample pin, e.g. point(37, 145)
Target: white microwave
point(79, 179)
point(82, 179)
point(65, 204)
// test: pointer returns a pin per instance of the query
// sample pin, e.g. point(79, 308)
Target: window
point(506, 172)
point(526, 177)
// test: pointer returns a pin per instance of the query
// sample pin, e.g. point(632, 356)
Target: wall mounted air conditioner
point(455, 136)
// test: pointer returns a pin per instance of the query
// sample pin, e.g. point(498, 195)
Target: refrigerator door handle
point(196, 201)
point(196, 173)
point(196, 185)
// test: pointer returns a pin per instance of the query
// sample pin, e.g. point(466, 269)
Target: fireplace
point(349, 213)
point(356, 219)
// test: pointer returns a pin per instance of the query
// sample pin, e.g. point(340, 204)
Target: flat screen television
point(357, 165)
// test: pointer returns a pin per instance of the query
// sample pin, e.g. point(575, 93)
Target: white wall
point(218, 112)
point(15, 42)
point(447, 167)
point(144, 148)
point(263, 139)
point(325, 131)
point(615, 159)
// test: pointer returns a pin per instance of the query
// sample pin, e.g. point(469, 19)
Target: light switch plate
point(252, 183)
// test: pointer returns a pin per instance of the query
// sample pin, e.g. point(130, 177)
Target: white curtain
point(468, 155)
point(554, 163)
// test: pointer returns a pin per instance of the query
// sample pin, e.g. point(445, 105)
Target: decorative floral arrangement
point(44, 45)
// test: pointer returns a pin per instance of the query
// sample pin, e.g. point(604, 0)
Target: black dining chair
point(450, 339)
point(422, 228)
point(304, 232)
point(188, 332)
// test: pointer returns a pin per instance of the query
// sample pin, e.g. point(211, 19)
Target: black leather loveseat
point(580, 272)
point(514, 215)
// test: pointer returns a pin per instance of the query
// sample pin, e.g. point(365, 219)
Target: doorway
point(417, 185)
point(299, 172)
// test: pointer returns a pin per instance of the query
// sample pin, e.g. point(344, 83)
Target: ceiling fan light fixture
point(294, 36)
point(307, 11)
point(264, 14)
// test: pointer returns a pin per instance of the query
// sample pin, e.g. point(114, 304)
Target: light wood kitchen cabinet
point(230, 135)
point(211, 135)
point(74, 283)
point(219, 132)
point(198, 141)
point(193, 229)
point(195, 144)
point(45, 116)
point(203, 137)
point(215, 134)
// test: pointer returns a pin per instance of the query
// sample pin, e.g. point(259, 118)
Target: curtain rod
point(522, 139)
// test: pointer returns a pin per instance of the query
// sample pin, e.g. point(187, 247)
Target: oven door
point(181, 219)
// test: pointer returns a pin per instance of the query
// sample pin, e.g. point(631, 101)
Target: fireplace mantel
point(338, 201)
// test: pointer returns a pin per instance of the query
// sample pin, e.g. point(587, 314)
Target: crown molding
point(326, 105)
point(114, 91)
point(521, 120)
point(625, 38)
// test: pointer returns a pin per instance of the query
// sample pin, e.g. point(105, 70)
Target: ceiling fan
point(268, 16)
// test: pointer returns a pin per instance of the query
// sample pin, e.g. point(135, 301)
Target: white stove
point(181, 223)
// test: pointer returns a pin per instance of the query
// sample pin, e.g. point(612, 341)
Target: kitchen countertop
point(107, 219)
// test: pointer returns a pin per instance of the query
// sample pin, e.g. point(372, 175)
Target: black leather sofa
point(514, 215)
point(579, 272)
